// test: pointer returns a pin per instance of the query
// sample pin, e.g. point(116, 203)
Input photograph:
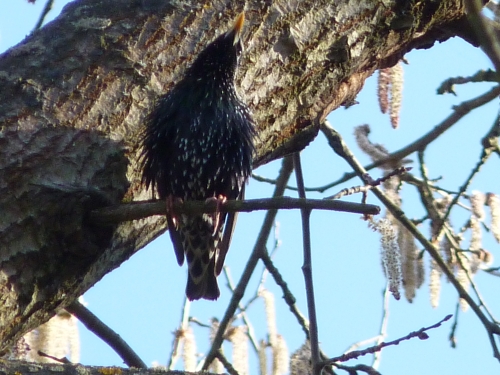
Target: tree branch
point(46, 9)
point(307, 270)
point(143, 209)
point(287, 294)
point(358, 353)
point(106, 334)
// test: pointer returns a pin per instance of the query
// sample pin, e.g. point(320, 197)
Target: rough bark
point(74, 95)
point(18, 368)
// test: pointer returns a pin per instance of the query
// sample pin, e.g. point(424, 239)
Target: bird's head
point(221, 56)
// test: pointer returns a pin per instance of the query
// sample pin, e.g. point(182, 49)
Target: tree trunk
point(75, 94)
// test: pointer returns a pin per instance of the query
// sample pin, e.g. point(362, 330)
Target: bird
point(198, 144)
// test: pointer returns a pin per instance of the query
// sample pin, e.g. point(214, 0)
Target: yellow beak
point(238, 27)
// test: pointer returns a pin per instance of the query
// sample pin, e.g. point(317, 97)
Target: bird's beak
point(237, 28)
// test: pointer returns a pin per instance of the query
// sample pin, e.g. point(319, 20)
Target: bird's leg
point(216, 216)
point(173, 228)
point(171, 217)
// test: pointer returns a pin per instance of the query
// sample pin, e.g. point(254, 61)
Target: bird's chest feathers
point(210, 157)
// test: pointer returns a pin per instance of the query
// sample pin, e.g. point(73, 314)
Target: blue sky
point(142, 299)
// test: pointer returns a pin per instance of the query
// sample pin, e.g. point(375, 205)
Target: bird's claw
point(170, 201)
point(216, 216)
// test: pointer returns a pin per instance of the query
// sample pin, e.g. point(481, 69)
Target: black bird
point(198, 145)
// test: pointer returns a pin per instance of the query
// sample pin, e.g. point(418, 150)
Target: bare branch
point(421, 334)
point(60, 360)
point(143, 209)
point(287, 294)
point(307, 270)
point(451, 337)
point(481, 76)
point(110, 337)
point(46, 9)
point(355, 369)
point(228, 366)
point(370, 183)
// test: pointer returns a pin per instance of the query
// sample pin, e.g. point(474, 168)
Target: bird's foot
point(216, 216)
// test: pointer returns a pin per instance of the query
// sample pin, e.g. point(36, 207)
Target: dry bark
point(75, 93)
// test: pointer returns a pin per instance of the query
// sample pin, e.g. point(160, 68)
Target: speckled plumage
point(198, 145)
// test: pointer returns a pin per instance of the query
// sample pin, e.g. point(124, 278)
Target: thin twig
point(354, 370)
point(227, 365)
point(46, 9)
point(480, 76)
point(451, 337)
point(421, 334)
point(287, 294)
point(307, 270)
point(60, 360)
point(474, 287)
point(263, 275)
point(482, 160)
point(110, 337)
point(371, 183)
point(143, 209)
point(270, 255)
point(244, 316)
point(198, 322)
point(490, 140)
point(260, 247)
point(425, 187)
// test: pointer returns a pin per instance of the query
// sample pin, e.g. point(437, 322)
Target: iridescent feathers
point(198, 145)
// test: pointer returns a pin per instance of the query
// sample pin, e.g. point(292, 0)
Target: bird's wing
point(228, 234)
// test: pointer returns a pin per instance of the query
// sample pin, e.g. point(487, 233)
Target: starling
point(198, 145)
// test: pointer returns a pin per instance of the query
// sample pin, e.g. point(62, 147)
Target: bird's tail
point(205, 288)
point(200, 247)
